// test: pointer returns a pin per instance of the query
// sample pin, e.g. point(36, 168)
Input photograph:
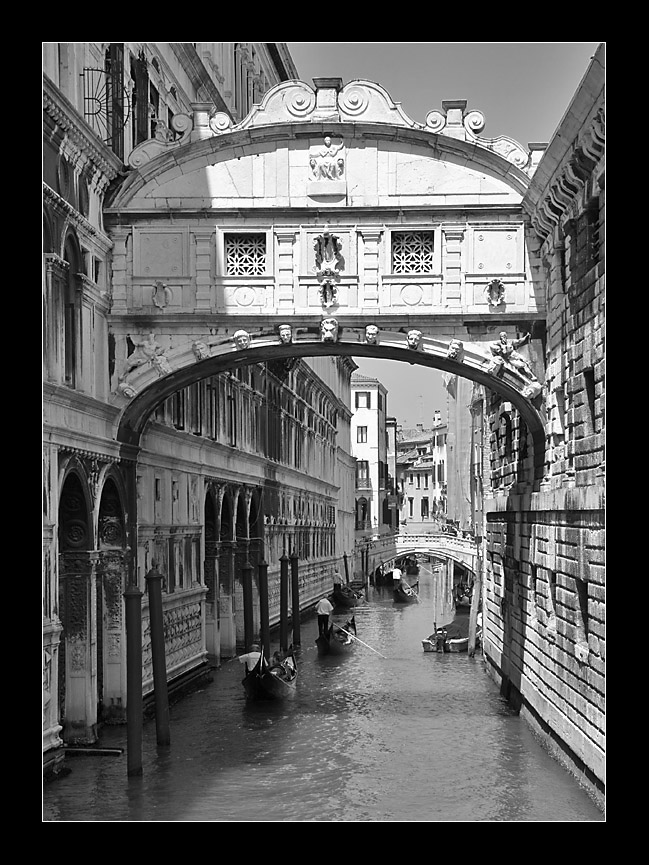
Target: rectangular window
point(362, 470)
point(426, 481)
point(245, 254)
point(418, 481)
point(589, 388)
point(424, 508)
point(363, 399)
point(411, 505)
point(412, 251)
point(361, 434)
point(552, 599)
point(582, 615)
point(380, 397)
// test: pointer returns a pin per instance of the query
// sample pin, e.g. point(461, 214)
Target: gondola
point(337, 640)
point(405, 594)
point(275, 681)
point(345, 596)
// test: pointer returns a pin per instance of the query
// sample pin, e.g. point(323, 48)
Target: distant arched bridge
point(383, 549)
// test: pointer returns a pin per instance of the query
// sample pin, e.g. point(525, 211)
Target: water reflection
point(409, 737)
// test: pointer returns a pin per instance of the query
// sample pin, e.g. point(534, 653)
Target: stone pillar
point(452, 267)
point(326, 106)
point(369, 271)
point(226, 600)
point(56, 274)
point(201, 119)
point(112, 573)
point(203, 241)
point(120, 275)
point(454, 110)
point(285, 269)
point(78, 605)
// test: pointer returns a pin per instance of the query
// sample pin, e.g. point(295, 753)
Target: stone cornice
point(574, 154)
point(65, 115)
point(83, 226)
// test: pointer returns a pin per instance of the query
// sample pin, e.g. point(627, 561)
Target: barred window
point(245, 254)
point(412, 251)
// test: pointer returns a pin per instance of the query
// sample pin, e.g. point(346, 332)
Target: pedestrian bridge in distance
point(464, 551)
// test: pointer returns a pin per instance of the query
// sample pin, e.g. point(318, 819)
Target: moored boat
point(405, 594)
point(338, 640)
point(453, 637)
point(272, 681)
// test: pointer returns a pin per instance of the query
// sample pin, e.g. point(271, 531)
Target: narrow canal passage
point(409, 737)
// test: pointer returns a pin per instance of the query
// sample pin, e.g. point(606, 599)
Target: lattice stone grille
point(412, 251)
point(245, 254)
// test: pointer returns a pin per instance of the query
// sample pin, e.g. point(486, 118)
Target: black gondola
point(337, 640)
point(345, 596)
point(274, 681)
point(405, 594)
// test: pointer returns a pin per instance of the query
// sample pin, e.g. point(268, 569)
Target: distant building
point(369, 447)
point(421, 472)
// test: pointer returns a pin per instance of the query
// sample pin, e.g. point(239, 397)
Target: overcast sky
point(523, 90)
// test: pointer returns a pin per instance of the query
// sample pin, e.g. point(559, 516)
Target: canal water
point(385, 734)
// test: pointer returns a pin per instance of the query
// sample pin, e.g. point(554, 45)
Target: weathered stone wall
point(545, 576)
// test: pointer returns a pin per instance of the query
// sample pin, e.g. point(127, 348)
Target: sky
point(523, 90)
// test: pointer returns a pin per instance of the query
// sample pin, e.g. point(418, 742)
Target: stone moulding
point(358, 101)
point(470, 356)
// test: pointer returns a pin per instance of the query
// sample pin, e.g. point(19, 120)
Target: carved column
point(369, 272)
point(226, 599)
point(56, 274)
point(452, 265)
point(204, 269)
point(78, 605)
point(112, 571)
point(285, 269)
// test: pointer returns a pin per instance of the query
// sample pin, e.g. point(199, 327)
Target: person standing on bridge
point(324, 609)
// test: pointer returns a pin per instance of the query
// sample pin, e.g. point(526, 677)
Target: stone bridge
point(326, 222)
point(384, 549)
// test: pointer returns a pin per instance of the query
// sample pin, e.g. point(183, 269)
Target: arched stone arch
point(147, 389)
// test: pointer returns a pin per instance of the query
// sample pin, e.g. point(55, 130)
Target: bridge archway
point(146, 388)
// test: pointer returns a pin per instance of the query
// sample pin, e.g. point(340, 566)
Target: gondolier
point(324, 609)
point(251, 657)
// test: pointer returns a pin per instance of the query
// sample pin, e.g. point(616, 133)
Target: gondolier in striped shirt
point(324, 609)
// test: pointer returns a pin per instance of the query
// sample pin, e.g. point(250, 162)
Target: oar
point(354, 637)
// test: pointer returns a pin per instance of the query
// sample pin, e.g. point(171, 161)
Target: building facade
point(238, 468)
point(326, 223)
point(370, 450)
point(544, 566)
point(421, 461)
